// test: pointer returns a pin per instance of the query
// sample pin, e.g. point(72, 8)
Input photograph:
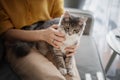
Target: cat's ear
point(85, 19)
point(66, 15)
point(82, 20)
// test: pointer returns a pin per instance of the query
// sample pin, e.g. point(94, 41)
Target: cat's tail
point(21, 49)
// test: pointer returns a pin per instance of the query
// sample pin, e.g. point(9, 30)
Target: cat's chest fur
point(69, 41)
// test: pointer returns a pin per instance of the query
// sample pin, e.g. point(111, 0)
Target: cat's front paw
point(71, 72)
point(63, 71)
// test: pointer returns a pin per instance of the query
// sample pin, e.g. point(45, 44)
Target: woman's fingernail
point(64, 38)
point(58, 47)
point(68, 55)
point(65, 49)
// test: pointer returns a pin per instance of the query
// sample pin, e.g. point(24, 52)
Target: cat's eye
point(81, 25)
point(67, 29)
point(75, 31)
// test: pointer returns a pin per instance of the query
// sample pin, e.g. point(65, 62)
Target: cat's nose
point(70, 33)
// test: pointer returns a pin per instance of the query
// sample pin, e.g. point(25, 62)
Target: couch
point(87, 57)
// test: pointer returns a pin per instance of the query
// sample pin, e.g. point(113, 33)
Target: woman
point(16, 14)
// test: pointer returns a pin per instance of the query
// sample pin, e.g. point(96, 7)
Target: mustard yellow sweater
point(19, 13)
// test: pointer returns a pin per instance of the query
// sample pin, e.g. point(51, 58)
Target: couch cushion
point(6, 72)
point(1, 48)
point(87, 58)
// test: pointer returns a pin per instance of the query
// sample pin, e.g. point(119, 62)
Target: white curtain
point(107, 17)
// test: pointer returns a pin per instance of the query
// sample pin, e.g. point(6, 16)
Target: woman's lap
point(36, 67)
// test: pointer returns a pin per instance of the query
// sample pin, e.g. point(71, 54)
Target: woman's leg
point(37, 67)
point(34, 67)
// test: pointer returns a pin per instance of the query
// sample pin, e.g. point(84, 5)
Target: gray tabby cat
point(72, 27)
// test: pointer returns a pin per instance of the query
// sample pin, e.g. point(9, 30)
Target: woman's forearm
point(26, 35)
point(50, 35)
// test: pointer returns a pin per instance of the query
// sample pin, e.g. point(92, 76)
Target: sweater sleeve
point(58, 8)
point(5, 22)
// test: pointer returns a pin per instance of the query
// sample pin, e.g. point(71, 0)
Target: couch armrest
point(88, 59)
point(89, 25)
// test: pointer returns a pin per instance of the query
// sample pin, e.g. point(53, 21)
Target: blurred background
point(107, 17)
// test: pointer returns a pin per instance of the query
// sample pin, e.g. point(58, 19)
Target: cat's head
point(72, 24)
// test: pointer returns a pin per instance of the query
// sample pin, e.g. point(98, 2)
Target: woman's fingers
point(60, 34)
point(57, 38)
point(56, 43)
point(56, 46)
point(57, 33)
point(71, 50)
point(55, 26)
point(70, 54)
point(74, 47)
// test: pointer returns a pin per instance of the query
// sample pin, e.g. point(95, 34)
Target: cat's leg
point(60, 62)
point(69, 65)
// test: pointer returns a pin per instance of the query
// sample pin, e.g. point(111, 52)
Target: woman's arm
point(25, 35)
point(47, 35)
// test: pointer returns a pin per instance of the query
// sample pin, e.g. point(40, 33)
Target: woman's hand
point(71, 50)
point(53, 36)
